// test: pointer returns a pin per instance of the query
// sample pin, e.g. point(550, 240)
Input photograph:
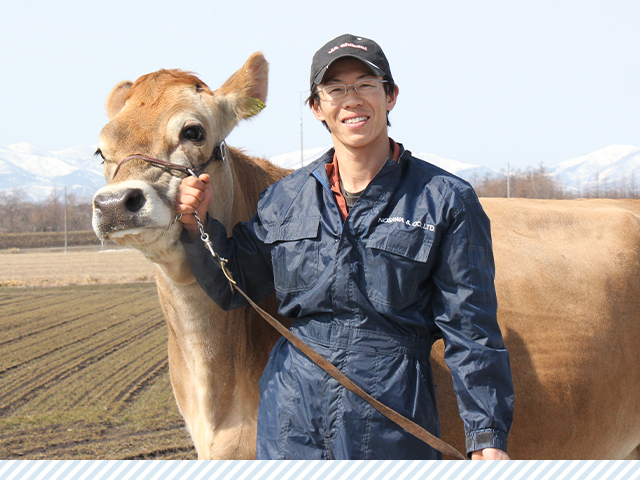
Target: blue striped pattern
point(315, 470)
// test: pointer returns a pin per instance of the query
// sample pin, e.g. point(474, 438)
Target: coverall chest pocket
point(295, 254)
point(396, 262)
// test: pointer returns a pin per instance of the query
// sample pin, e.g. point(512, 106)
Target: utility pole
point(65, 220)
point(301, 143)
point(508, 180)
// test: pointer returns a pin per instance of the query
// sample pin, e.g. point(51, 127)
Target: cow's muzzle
point(117, 210)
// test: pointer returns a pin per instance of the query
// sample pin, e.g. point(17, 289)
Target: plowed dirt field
point(83, 365)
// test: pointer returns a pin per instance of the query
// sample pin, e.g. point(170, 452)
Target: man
point(375, 255)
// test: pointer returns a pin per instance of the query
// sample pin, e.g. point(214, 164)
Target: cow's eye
point(98, 153)
point(194, 133)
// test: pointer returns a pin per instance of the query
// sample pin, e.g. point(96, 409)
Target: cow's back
point(568, 286)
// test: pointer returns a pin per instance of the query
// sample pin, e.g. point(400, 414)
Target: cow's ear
point(115, 100)
point(246, 89)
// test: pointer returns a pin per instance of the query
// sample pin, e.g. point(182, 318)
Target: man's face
point(355, 119)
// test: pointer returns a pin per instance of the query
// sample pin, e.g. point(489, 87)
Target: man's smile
point(355, 120)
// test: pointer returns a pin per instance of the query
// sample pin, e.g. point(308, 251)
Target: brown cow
point(215, 357)
point(567, 283)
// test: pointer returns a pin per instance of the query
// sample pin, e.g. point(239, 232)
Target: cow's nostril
point(134, 200)
point(100, 201)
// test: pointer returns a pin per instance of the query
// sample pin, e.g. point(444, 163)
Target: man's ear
point(392, 97)
point(316, 109)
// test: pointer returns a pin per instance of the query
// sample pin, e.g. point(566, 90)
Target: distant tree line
point(18, 215)
point(538, 183)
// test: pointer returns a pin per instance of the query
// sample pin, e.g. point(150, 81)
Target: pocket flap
point(298, 229)
point(414, 245)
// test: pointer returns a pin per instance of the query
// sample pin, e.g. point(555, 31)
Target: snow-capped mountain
point(37, 173)
point(461, 169)
point(613, 167)
point(292, 160)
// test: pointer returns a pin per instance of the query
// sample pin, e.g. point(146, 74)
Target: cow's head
point(172, 116)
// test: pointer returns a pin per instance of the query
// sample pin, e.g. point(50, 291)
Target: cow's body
point(567, 284)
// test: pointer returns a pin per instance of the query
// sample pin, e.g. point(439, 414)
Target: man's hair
point(389, 88)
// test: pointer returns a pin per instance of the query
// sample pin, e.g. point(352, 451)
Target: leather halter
point(219, 154)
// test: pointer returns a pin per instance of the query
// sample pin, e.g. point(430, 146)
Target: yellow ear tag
point(255, 106)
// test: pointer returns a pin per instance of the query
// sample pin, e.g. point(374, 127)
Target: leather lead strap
point(409, 425)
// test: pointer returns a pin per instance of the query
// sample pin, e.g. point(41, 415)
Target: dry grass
point(79, 266)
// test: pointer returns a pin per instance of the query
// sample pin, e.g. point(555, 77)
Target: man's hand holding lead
point(194, 195)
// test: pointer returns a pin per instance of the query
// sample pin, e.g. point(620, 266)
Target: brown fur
point(117, 98)
point(568, 285)
point(163, 80)
point(246, 84)
point(215, 357)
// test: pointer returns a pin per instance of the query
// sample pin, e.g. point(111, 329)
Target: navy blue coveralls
point(412, 263)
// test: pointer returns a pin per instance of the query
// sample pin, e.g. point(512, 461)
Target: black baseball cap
point(348, 45)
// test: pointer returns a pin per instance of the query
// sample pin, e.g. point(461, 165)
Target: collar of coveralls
point(334, 178)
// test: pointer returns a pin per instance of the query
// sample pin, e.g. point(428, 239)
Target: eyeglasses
point(364, 87)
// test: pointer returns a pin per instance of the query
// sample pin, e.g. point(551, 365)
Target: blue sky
point(485, 82)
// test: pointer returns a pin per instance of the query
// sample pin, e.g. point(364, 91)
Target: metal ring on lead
point(223, 150)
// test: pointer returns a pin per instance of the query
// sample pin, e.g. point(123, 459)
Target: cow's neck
point(215, 357)
point(211, 363)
